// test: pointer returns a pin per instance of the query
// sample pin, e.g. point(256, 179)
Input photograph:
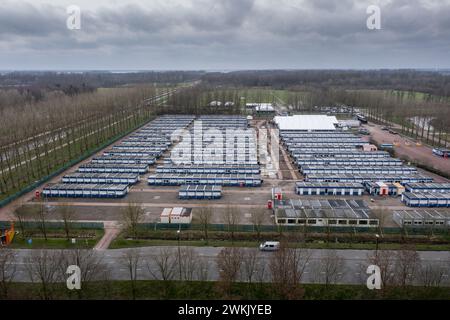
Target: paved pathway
point(112, 230)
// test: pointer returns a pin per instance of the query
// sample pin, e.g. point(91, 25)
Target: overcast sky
point(223, 34)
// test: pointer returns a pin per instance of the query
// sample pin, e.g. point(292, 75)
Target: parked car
point(385, 128)
point(269, 246)
point(364, 131)
point(392, 131)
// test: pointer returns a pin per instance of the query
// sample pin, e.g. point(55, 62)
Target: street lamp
point(377, 237)
point(179, 251)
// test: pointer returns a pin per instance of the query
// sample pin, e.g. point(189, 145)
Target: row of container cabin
point(292, 141)
point(345, 189)
point(428, 187)
point(362, 178)
point(85, 190)
point(309, 217)
point(200, 192)
point(338, 154)
point(307, 169)
point(328, 146)
point(205, 169)
point(168, 179)
point(349, 162)
point(299, 134)
point(426, 199)
point(215, 161)
point(421, 218)
point(102, 178)
point(106, 159)
point(114, 168)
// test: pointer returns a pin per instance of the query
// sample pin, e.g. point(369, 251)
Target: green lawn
point(83, 240)
point(208, 290)
point(120, 242)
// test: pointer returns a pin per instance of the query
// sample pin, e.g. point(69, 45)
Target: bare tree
point(385, 260)
point(133, 214)
point(43, 266)
point(189, 263)
point(67, 214)
point(407, 265)
point(431, 274)
point(41, 218)
point(205, 215)
point(250, 264)
point(231, 219)
point(91, 266)
point(258, 217)
point(229, 262)
point(164, 268)
point(202, 271)
point(19, 214)
point(131, 260)
point(286, 268)
point(165, 265)
point(380, 213)
point(7, 270)
point(329, 269)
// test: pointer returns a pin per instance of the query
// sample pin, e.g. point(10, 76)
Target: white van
point(269, 246)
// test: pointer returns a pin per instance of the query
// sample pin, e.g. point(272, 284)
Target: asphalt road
point(354, 263)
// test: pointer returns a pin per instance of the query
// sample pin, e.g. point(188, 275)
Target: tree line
point(430, 82)
point(38, 83)
point(36, 138)
point(281, 275)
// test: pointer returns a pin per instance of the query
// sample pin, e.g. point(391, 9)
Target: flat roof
point(306, 122)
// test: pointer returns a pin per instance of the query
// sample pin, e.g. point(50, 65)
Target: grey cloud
point(233, 32)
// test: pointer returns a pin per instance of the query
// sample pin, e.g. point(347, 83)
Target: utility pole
point(179, 250)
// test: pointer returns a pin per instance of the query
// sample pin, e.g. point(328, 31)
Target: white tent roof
point(306, 122)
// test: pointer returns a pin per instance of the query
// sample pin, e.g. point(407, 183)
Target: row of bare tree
point(38, 137)
point(283, 270)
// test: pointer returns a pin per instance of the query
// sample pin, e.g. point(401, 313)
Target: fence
point(54, 225)
point(300, 229)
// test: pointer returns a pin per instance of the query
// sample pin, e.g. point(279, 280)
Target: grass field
point(56, 240)
point(208, 290)
point(122, 242)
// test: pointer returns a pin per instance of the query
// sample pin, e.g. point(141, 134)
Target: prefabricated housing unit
point(200, 192)
point(114, 168)
point(177, 215)
point(322, 213)
point(169, 179)
point(329, 188)
point(426, 199)
point(428, 187)
point(67, 190)
point(97, 178)
point(422, 218)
